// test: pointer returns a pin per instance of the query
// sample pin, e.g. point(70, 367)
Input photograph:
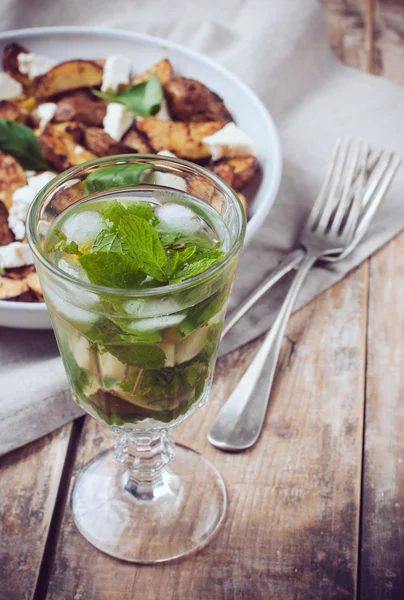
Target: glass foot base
point(186, 509)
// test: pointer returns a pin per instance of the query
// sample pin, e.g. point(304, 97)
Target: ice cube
point(83, 227)
point(179, 218)
point(75, 270)
point(156, 323)
point(149, 308)
point(70, 311)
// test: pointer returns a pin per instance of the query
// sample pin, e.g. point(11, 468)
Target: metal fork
point(330, 231)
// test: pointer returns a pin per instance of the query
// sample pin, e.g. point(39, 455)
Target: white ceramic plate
point(65, 43)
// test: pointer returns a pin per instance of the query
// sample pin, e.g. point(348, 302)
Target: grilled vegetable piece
point(85, 111)
point(10, 62)
point(135, 141)
point(12, 177)
point(237, 172)
point(59, 144)
point(183, 139)
point(101, 143)
point(11, 289)
point(12, 111)
point(6, 235)
point(69, 75)
point(191, 101)
point(163, 69)
point(32, 280)
point(200, 187)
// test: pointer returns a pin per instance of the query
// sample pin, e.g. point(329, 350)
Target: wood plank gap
point(362, 466)
point(42, 583)
point(369, 34)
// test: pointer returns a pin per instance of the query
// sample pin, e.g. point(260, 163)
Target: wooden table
point(316, 509)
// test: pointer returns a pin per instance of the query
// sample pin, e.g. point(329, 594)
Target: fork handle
point(239, 422)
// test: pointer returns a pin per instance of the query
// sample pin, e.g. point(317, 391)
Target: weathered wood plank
point(291, 531)
point(382, 548)
point(29, 483)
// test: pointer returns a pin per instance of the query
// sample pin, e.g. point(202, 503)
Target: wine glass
point(148, 500)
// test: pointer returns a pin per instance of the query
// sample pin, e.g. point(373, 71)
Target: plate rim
point(153, 40)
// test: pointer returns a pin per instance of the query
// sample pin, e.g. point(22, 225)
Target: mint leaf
point(20, 141)
point(170, 239)
point(129, 327)
point(142, 243)
point(59, 234)
point(70, 248)
point(107, 241)
point(195, 268)
point(178, 258)
point(113, 212)
point(143, 99)
point(111, 270)
point(143, 210)
point(141, 355)
point(78, 376)
point(117, 176)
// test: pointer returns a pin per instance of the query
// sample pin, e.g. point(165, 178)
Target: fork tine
point(378, 193)
point(318, 205)
point(354, 210)
point(331, 201)
point(348, 183)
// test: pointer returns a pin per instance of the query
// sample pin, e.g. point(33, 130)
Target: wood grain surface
point(382, 544)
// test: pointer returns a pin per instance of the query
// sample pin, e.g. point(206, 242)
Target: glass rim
point(133, 292)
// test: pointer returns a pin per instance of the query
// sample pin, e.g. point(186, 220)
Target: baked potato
point(191, 101)
point(163, 69)
point(59, 144)
point(237, 172)
point(12, 111)
point(101, 143)
point(10, 63)
point(69, 75)
point(135, 141)
point(76, 108)
point(183, 139)
point(6, 235)
point(12, 177)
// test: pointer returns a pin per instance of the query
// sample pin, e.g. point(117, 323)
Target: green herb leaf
point(2, 271)
point(142, 243)
point(107, 241)
point(78, 376)
point(20, 141)
point(195, 268)
point(113, 211)
point(143, 210)
point(117, 176)
point(143, 99)
point(170, 239)
point(70, 248)
point(141, 355)
point(111, 270)
point(178, 258)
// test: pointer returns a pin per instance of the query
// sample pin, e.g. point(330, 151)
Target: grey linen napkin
point(278, 47)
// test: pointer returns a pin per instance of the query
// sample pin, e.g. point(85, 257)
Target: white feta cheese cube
point(117, 120)
point(9, 87)
point(46, 112)
point(229, 142)
point(166, 153)
point(22, 199)
point(15, 255)
point(34, 65)
point(117, 70)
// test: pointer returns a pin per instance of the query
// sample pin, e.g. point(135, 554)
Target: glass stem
point(144, 454)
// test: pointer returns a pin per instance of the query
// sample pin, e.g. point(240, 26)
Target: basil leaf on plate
point(20, 141)
point(117, 176)
point(144, 99)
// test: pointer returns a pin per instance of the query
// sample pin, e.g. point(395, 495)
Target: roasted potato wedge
point(6, 235)
point(85, 111)
point(32, 281)
point(11, 289)
point(12, 111)
point(20, 272)
point(237, 172)
point(191, 101)
point(59, 143)
point(200, 188)
point(10, 63)
point(226, 172)
point(163, 69)
point(12, 176)
point(135, 141)
point(69, 75)
point(183, 139)
point(101, 143)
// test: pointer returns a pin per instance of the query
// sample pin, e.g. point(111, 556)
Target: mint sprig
point(143, 99)
point(117, 176)
point(142, 244)
point(107, 241)
point(111, 269)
